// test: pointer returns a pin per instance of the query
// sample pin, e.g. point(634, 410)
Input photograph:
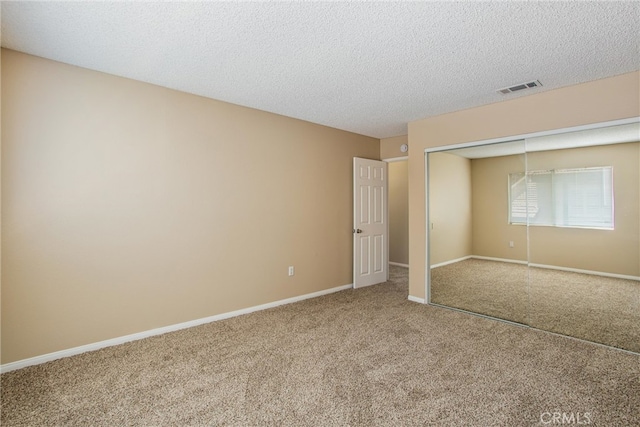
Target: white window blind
point(563, 198)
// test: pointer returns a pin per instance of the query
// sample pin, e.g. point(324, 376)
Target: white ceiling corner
point(365, 67)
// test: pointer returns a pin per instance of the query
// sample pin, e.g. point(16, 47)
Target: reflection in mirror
point(478, 263)
point(584, 235)
point(550, 238)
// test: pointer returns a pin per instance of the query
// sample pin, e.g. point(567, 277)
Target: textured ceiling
point(366, 67)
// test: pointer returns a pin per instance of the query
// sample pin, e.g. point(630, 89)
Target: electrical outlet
point(511, 245)
point(291, 270)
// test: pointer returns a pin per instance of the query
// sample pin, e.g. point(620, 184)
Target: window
point(562, 198)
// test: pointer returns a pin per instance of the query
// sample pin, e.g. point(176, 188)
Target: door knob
point(358, 231)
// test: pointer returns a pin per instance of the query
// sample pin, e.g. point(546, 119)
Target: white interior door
point(370, 223)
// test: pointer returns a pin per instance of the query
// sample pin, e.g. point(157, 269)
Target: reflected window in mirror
point(579, 197)
point(543, 232)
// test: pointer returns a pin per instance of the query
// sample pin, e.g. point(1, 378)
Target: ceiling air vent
point(516, 88)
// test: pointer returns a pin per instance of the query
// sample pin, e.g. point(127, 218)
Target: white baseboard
point(37, 360)
point(452, 261)
point(397, 264)
point(591, 272)
point(549, 267)
point(488, 258)
point(416, 299)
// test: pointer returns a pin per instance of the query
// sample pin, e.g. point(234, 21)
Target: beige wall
point(398, 198)
point(390, 147)
point(491, 231)
point(399, 212)
point(449, 207)
point(612, 251)
point(128, 207)
point(598, 101)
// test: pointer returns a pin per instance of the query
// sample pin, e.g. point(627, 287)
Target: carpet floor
point(605, 310)
point(362, 357)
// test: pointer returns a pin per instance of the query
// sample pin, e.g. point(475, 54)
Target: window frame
point(554, 222)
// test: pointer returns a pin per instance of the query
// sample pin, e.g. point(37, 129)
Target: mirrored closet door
point(543, 232)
